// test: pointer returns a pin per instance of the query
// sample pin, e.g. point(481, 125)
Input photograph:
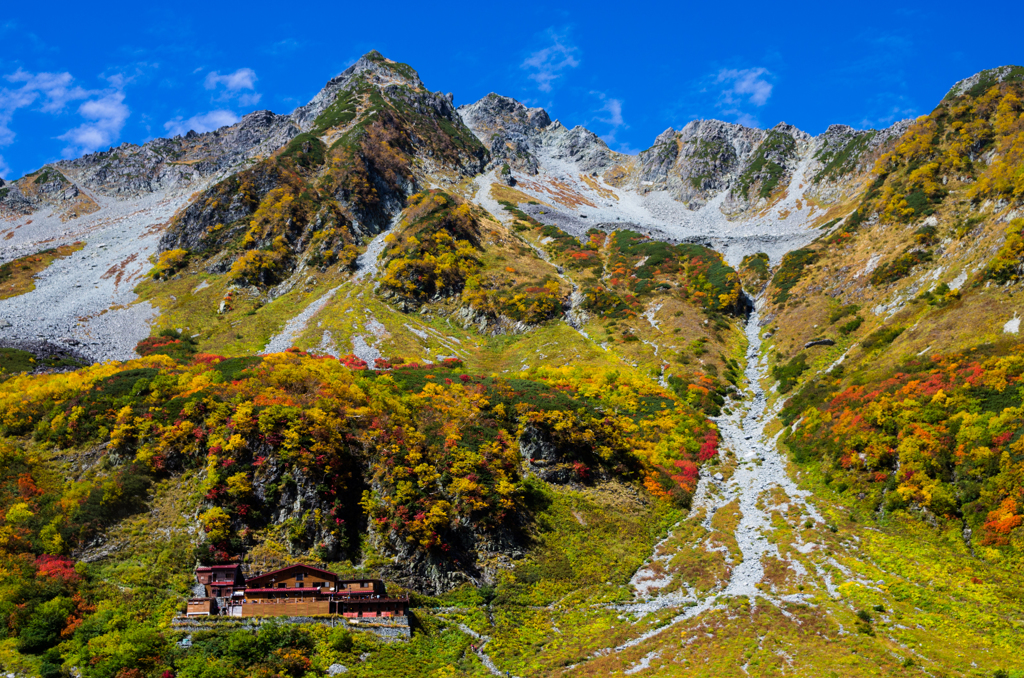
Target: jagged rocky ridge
point(704, 160)
point(516, 135)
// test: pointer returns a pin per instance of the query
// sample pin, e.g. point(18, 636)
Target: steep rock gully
point(759, 485)
point(758, 478)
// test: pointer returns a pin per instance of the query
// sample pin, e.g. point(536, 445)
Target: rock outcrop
point(521, 137)
point(508, 129)
point(698, 162)
point(984, 79)
point(129, 170)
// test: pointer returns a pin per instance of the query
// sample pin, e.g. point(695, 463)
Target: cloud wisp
point(747, 84)
point(105, 118)
point(206, 122)
point(610, 114)
point(104, 110)
point(5, 169)
point(54, 90)
point(740, 89)
point(886, 108)
point(547, 64)
point(234, 86)
point(238, 88)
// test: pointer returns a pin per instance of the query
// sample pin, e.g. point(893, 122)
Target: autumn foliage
point(438, 446)
point(942, 434)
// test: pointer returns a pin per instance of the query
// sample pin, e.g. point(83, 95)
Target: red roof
point(207, 568)
point(347, 601)
point(310, 589)
point(326, 573)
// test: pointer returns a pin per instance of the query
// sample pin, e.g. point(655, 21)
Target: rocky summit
point(386, 386)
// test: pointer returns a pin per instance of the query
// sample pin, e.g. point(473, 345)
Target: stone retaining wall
point(391, 628)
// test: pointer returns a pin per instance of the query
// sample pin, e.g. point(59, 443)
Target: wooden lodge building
point(293, 591)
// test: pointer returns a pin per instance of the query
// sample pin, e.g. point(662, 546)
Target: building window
point(299, 576)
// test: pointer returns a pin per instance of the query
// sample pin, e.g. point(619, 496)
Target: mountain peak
point(373, 67)
point(980, 82)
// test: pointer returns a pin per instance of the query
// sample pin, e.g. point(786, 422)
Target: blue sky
point(79, 77)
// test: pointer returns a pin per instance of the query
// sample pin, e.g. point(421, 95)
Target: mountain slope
point(747, 403)
point(917, 290)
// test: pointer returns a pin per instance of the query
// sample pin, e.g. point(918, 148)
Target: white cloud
point(106, 116)
point(612, 110)
point(207, 122)
point(740, 92)
point(243, 78)
point(5, 169)
point(6, 133)
point(748, 84)
point(54, 89)
point(249, 99)
point(613, 107)
point(548, 63)
point(104, 110)
point(744, 119)
point(234, 86)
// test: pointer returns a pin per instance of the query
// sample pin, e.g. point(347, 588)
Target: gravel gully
point(760, 471)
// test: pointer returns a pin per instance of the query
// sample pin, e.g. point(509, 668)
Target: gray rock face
point(131, 170)
point(891, 133)
point(698, 162)
point(518, 135)
point(48, 187)
point(508, 128)
point(474, 554)
point(836, 137)
point(297, 502)
point(543, 457)
point(772, 163)
point(13, 201)
point(435, 110)
point(580, 146)
point(424, 125)
point(495, 114)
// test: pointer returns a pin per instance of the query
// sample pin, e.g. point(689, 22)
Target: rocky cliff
point(521, 136)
